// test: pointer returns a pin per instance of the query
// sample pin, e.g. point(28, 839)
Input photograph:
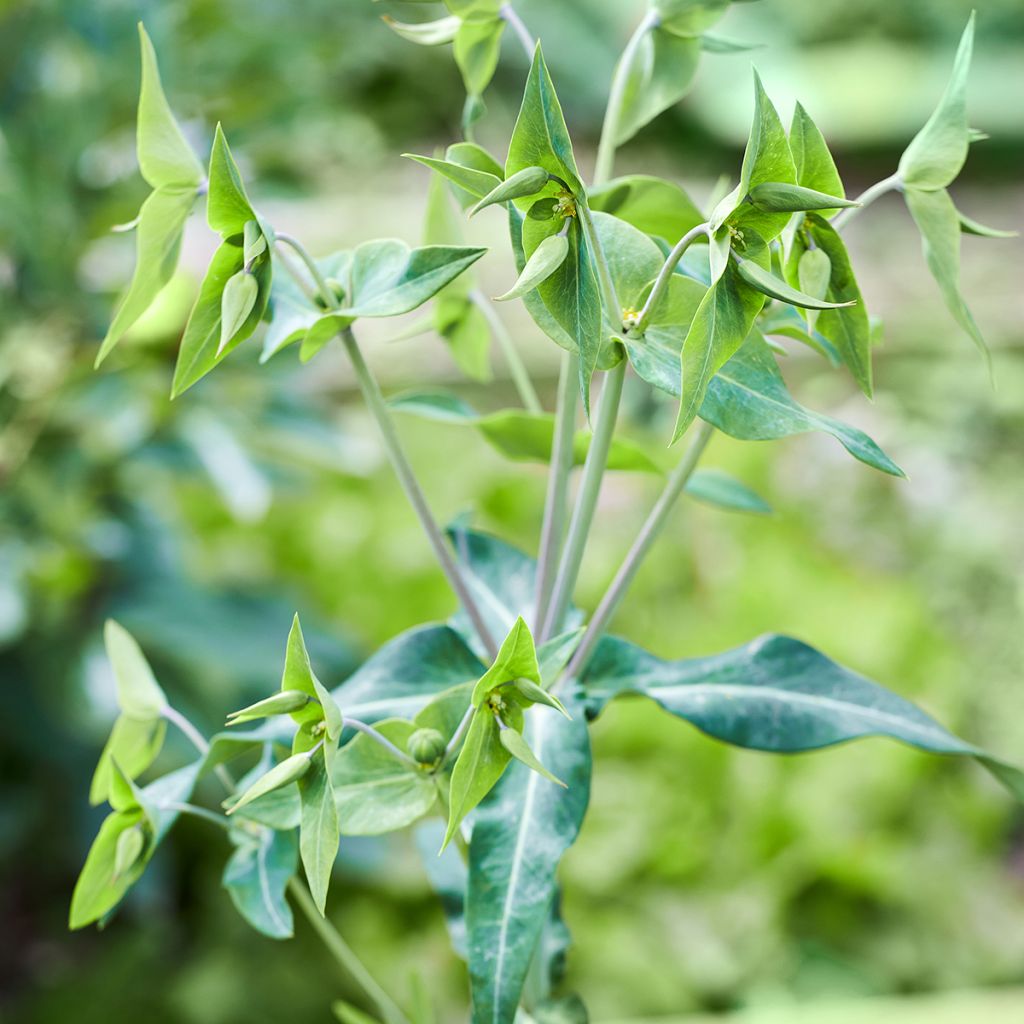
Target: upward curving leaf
point(815, 168)
point(227, 206)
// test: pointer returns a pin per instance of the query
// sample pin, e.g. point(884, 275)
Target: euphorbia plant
point(483, 721)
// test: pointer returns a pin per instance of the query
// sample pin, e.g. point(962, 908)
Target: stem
point(198, 740)
point(368, 730)
point(586, 500)
point(522, 32)
point(324, 288)
point(343, 954)
point(407, 478)
point(841, 219)
point(520, 376)
point(553, 529)
point(613, 112)
point(453, 743)
point(653, 525)
point(604, 274)
point(665, 275)
point(199, 812)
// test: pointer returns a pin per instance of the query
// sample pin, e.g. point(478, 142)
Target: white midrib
point(513, 879)
point(261, 870)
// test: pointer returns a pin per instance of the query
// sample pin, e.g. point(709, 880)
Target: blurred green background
point(866, 883)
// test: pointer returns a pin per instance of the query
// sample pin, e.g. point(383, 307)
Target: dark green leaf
point(715, 487)
point(815, 168)
point(256, 877)
point(652, 205)
point(480, 764)
point(775, 694)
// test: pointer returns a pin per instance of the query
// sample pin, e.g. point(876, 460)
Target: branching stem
point(373, 734)
point(880, 188)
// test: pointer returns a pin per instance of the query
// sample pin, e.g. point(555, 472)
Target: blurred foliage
point(203, 525)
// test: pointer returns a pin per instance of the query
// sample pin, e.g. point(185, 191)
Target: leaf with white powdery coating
point(256, 877)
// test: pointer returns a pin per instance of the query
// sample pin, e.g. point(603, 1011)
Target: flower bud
point(426, 746)
point(130, 844)
point(282, 703)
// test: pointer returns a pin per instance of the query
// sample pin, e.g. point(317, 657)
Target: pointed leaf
point(972, 227)
point(546, 259)
point(516, 659)
point(477, 183)
point(778, 196)
point(477, 48)
point(290, 770)
point(256, 877)
point(425, 33)
point(227, 206)
point(715, 487)
point(236, 303)
point(514, 743)
point(319, 831)
point(766, 282)
point(815, 168)
point(138, 693)
point(527, 182)
point(478, 767)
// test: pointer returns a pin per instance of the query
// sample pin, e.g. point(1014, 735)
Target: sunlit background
point(867, 883)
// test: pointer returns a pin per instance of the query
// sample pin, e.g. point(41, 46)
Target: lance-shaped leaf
point(469, 180)
point(767, 283)
point(540, 138)
point(256, 877)
point(815, 168)
point(689, 17)
point(516, 659)
point(718, 488)
point(814, 275)
point(652, 205)
point(938, 151)
point(374, 791)
point(972, 227)
point(517, 746)
point(283, 703)
point(722, 321)
point(479, 766)
point(775, 694)
point(780, 197)
point(661, 72)
point(477, 48)
point(298, 676)
point(319, 833)
point(425, 33)
point(236, 303)
point(519, 835)
point(228, 209)
point(748, 398)
point(545, 260)
point(939, 223)
point(290, 770)
point(168, 164)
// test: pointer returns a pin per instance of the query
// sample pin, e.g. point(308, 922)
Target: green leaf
point(134, 744)
point(715, 487)
point(722, 321)
point(349, 1014)
point(938, 151)
point(652, 205)
point(689, 17)
point(298, 676)
point(514, 743)
point(767, 283)
point(138, 693)
point(546, 259)
point(660, 75)
point(236, 303)
point(748, 398)
point(157, 245)
point(227, 206)
point(389, 278)
point(778, 695)
point(519, 836)
point(290, 770)
point(540, 138)
point(256, 877)
point(477, 48)
point(478, 767)
point(711, 42)
point(283, 703)
point(375, 792)
point(815, 168)
point(475, 182)
point(319, 831)
point(814, 274)
point(778, 196)
point(165, 158)
point(200, 348)
point(516, 659)
point(425, 33)
point(939, 223)
point(972, 227)
point(527, 182)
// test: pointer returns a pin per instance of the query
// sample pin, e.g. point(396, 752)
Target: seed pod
point(236, 303)
point(130, 844)
point(283, 703)
point(426, 746)
point(780, 196)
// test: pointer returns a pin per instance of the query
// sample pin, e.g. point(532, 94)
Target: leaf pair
point(168, 164)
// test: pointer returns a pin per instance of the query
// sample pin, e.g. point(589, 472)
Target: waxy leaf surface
point(256, 877)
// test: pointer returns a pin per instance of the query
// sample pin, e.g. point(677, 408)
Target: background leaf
point(256, 877)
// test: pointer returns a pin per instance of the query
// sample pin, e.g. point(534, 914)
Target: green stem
point(586, 500)
point(613, 112)
point(604, 274)
point(378, 738)
point(350, 964)
point(880, 188)
point(665, 276)
point(516, 369)
point(652, 527)
point(299, 249)
point(200, 812)
point(198, 740)
point(555, 504)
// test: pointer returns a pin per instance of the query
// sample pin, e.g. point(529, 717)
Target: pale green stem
point(616, 97)
point(555, 504)
point(518, 372)
point(522, 32)
point(396, 453)
point(664, 277)
point(652, 527)
point(196, 738)
point(453, 743)
point(200, 812)
point(343, 954)
point(604, 274)
point(383, 741)
point(880, 188)
point(586, 500)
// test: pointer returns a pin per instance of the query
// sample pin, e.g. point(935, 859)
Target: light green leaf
point(165, 158)
point(349, 1014)
point(540, 138)
point(374, 791)
point(778, 196)
point(748, 398)
point(475, 182)
point(298, 676)
point(778, 695)
point(766, 282)
point(256, 877)
point(138, 693)
point(514, 743)
point(516, 659)
point(130, 844)
point(477, 48)
point(157, 243)
point(689, 17)
point(283, 703)
point(718, 488)
point(236, 303)
point(478, 767)
point(723, 319)
point(814, 274)
point(815, 168)
point(972, 227)
point(133, 744)
point(652, 205)
point(939, 223)
point(319, 830)
point(938, 151)
point(527, 182)
point(227, 206)
point(711, 42)
point(519, 835)
point(545, 260)
point(290, 770)
point(425, 33)
point(660, 75)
